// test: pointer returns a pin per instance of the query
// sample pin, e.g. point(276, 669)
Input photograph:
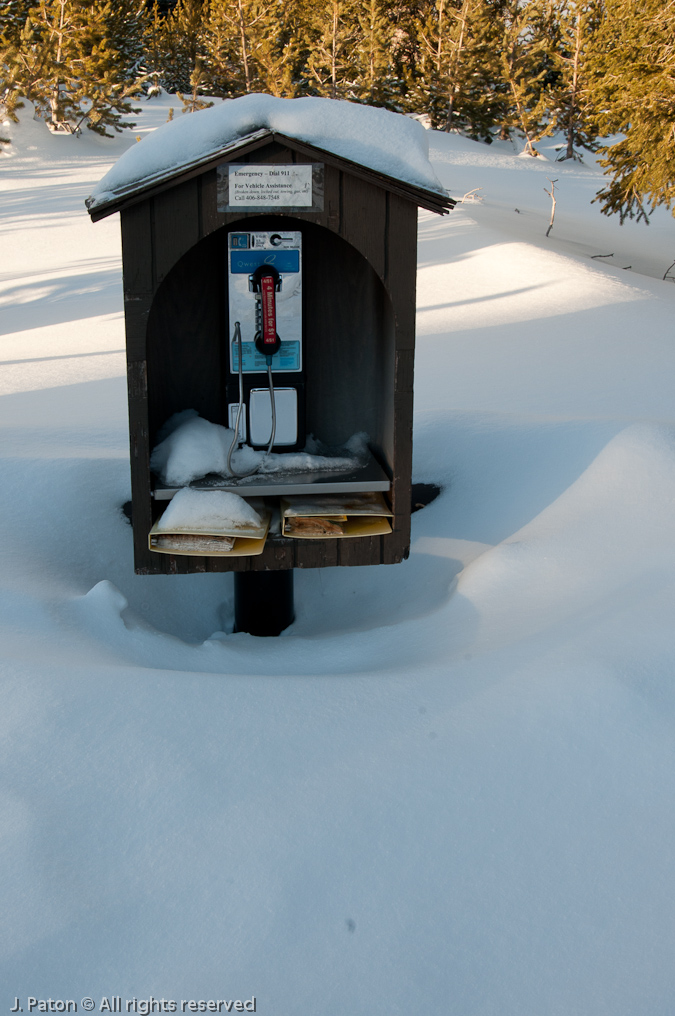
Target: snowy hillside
point(448, 787)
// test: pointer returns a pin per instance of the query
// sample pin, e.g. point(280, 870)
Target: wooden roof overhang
point(148, 188)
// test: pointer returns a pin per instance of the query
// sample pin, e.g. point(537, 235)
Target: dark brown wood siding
point(360, 257)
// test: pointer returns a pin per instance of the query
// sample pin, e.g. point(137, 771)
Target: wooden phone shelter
point(360, 261)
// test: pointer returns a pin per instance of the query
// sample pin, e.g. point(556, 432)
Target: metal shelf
point(370, 477)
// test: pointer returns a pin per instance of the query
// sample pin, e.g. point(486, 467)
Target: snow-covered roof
point(385, 142)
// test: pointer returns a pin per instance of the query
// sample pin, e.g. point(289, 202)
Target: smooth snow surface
point(384, 141)
point(203, 511)
point(448, 787)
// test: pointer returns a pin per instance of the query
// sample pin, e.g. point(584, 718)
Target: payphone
point(266, 372)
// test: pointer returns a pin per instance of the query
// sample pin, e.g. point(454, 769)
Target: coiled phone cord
point(230, 468)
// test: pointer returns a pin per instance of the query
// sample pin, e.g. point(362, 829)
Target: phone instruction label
point(288, 357)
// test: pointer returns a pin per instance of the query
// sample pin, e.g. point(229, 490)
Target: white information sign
point(270, 186)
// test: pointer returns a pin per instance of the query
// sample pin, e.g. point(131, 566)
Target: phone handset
point(265, 282)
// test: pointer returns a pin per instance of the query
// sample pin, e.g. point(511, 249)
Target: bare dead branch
point(551, 194)
point(471, 196)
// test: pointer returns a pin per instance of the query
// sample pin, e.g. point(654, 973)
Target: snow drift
point(448, 787)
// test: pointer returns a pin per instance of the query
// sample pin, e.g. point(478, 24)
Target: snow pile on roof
point(377, 138)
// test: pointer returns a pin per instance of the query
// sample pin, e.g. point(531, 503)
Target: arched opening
point(349, 336)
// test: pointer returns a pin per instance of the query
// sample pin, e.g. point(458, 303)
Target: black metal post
point(263, 601)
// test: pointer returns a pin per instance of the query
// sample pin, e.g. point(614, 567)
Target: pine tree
point(222, 66)
point(476, 99)
point(96, 81)
point(192, 103)
point(525, 64)
point(280, 48)
point(428, 89)
point(65, 63)
point(154, 47)
point(375, 80)
point(458, 76)
point(177, 43)
point(9, 104)
point(13, 14)
point(632, 68)
point(230, 33)
point(457, 64)
point(127, 22)
point(574, 25)
point(484, 99)
point(253, 45)
point(25, 65)
point(407, 18)
point(333, 31)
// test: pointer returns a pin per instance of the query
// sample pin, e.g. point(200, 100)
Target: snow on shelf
point(386, 142)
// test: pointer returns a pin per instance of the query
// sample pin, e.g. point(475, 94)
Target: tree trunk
point(55, 101)
point(454, 88)
point(244, 46)
point(371, 54)
point(439, 48)
point(569, 154)
point(333, 53)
